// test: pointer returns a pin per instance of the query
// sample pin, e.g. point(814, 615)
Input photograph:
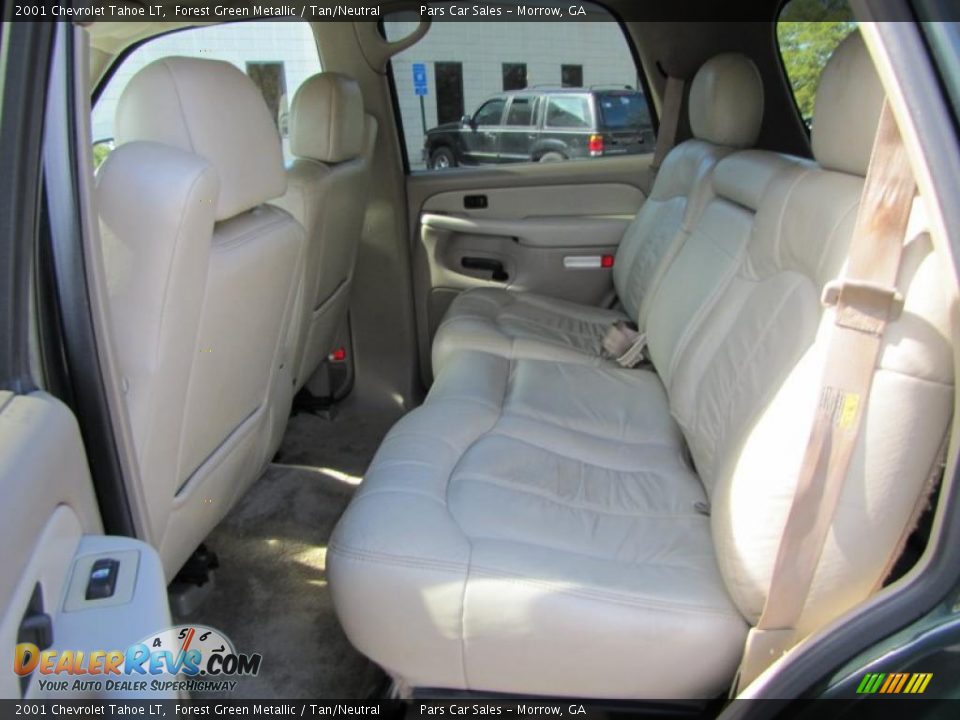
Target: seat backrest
point(725, 109)
point(746, 387)
point(332, 138)
point(202, 285)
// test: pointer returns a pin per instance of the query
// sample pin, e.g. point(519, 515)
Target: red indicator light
point(606, 261)
point(338, 355)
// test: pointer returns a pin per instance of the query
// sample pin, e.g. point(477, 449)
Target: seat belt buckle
point(863, 305)
point(624, 344)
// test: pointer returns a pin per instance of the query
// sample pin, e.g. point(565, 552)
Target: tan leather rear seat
point(554, 528)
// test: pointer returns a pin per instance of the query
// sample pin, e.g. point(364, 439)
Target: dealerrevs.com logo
point(203, 658)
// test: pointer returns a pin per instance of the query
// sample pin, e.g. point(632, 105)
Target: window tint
point(492, 57)
point(808, 32)
point(278, 57)
point(490, 113)
point(521, 111)
point(568, 111)
point(623, 110)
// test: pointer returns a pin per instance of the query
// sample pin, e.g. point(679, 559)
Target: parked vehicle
point(544, 125)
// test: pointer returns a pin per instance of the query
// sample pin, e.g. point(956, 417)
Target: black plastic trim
point(63, 213)
point(24, 56)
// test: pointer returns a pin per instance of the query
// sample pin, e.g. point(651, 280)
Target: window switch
point(103, 579)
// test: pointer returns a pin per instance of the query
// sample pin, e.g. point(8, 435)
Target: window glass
point(568, 111)
point(448, 79)
point(278, 57)
point(571, 75)
point(490, 113)
point(493, 57)
point(521, 111)
point(623, 110)
point(808, 32)
point(514, 76)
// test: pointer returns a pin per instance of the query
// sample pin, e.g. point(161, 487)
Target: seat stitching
point(402, 491)
point(584, 433)
point(517, 487)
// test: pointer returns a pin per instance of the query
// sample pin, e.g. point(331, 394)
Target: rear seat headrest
point(847, 109)
point(726, 101)
point(212, 109)
point(327, 118)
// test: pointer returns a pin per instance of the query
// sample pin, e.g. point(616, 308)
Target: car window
point(460, 65)
point(623, 110)
point(568, 111)
point(521, 111)
point(278, 57)
point(808, 33)
point(490, 113)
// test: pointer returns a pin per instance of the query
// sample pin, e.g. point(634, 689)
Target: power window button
point(103, 579)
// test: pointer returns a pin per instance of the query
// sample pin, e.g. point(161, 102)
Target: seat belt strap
point(865, 301)
point(669, 120)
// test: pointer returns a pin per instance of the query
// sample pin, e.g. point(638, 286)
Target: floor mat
point(271, 592)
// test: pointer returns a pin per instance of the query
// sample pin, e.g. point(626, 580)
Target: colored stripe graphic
point(894, 683)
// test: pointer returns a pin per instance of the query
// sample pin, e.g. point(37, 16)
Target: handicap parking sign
point(420, 78)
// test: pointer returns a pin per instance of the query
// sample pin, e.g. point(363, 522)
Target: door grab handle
point(494, 266)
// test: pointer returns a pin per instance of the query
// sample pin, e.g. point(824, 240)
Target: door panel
point(51, 532)
point(538, 228)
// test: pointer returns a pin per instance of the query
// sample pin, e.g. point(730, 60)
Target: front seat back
point(327, 193)
point(202, 285)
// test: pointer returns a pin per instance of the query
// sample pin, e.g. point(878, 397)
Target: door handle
point(495, 267)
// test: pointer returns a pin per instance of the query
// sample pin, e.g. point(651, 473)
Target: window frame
point(23, 100)
point(628, 39)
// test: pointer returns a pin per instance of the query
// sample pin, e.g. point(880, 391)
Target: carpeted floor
point(271, 591)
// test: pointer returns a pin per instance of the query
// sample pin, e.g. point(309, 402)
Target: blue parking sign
point(420, 79)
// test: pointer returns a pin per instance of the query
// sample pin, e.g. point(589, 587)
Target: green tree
point(808, 32)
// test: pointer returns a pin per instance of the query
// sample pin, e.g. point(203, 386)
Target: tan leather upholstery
point(726, 101)
point(173, 102)
point(848, 102)
point(549, 527)
point(522, 325)
point(202, 283)
point(326, 118)
point(327, 192)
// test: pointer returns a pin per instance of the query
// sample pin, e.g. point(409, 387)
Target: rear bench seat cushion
point(507, 545)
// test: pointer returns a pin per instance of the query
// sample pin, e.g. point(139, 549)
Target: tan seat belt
point(865, 300)
point(669, 120)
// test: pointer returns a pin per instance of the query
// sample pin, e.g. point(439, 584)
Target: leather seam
point(516, 487)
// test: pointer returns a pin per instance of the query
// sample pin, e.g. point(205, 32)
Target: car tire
point(442, 158)
point(551, 156)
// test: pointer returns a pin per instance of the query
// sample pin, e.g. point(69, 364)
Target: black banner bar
point(450, 11)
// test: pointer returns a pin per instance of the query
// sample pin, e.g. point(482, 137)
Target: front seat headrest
point(847, 109)
point(327, 119)
point(726, 101)
point(212, 109)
